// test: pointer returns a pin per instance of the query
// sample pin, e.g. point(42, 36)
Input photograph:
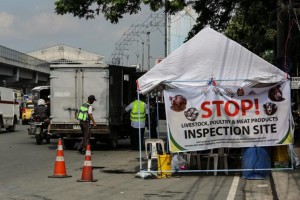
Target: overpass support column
point(15, 77)
point(35, 78)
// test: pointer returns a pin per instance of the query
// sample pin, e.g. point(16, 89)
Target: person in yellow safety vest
point(138, 110)
point(85, 115)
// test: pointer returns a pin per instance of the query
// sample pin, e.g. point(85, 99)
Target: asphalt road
point(25, 167)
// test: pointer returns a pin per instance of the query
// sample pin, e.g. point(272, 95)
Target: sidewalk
point(287, 184)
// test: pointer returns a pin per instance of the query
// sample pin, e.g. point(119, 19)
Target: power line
point(133, 34)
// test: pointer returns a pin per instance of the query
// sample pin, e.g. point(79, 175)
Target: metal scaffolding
point(135, 34)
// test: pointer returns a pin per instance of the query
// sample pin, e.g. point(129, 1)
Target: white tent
point(210, 54)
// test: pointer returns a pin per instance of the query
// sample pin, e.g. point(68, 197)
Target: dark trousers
point(85, 129)
point(134, 138)
point(153, 132)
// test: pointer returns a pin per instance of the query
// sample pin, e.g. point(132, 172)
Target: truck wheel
point(38, 139)
point(69, 144)
point(12, 128)
point(113, 142)
point(47, 139)
point(93, 142)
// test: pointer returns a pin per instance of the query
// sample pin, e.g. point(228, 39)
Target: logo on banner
point(212, 81)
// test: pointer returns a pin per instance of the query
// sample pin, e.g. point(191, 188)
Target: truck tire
point(113, 142)
point(47, 139)
point(93, 142)
point(12, 128)
point(38, 139)
point(69, 143)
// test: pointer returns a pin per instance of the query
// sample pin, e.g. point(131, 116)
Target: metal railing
point(23, 60)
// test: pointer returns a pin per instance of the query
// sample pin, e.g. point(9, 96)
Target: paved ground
point(287, 184)
point(25, 168)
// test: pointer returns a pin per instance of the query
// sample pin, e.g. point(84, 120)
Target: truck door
point(70, 88)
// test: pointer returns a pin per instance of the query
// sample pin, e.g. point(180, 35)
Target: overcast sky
point(30, 25)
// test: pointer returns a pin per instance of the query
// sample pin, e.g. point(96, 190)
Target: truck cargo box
point(113, 87)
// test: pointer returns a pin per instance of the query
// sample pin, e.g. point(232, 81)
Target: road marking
point(233, 188)
point(263, 185)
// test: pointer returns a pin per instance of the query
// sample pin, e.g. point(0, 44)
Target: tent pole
point(149, 115)
point(157, 114)
point(140, 145)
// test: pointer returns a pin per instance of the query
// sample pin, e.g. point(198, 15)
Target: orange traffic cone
point(60, 167)
point(87, 171)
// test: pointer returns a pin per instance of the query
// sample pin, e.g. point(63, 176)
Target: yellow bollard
point(164, 164)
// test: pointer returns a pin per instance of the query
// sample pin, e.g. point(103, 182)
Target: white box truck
point(9, 109)
point(113, 87)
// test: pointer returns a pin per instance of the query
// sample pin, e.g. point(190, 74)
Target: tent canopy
point(207, 55)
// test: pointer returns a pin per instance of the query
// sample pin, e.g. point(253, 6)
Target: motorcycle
point(39, 130)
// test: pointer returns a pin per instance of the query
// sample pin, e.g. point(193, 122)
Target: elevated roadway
point(21, 71)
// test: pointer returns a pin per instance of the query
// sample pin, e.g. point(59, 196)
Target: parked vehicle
point(27, 110)
point(27, 97)
point(113, 87)
point(40, 92)
point(38, 128)
point(9, 109)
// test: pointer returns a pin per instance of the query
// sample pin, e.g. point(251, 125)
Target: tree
point(254, 26)
point(113, 10)
point(251, 23)
point(215, 13)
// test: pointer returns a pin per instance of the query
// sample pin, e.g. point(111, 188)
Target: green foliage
point(113, 10)
point(88, 9)
point(254, 25)
point(215, 13)
point(251, 23)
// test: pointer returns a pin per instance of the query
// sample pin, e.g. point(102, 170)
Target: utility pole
point(143, 56)
point(281, 30)
point(153, 21)
point(148, 41)
point(166, 30)
point(137, 53)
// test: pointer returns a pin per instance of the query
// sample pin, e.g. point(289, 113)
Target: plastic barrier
point(256, 158)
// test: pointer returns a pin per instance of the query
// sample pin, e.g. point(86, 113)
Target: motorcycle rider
point(42, 112)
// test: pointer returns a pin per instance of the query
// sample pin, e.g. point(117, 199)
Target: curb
point(273, 187)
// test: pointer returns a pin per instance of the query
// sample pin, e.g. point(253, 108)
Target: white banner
point(215, 116)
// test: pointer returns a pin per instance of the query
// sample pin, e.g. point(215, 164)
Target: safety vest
point(134, 114)
point(83, 112)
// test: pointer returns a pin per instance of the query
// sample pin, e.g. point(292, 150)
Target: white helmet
point(41, 102)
